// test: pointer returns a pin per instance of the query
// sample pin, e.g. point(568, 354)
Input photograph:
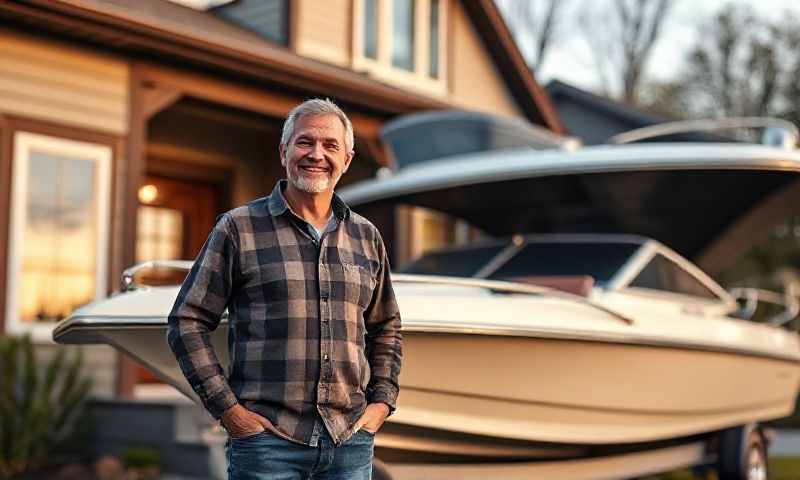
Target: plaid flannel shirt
point(314, 328)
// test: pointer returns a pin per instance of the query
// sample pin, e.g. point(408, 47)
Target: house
point(127, 126)
point(594, 119)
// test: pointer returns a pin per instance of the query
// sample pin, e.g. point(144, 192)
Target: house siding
point(475, 82)
point(99, 364)
point(268, 18)
point(323, 33)
point(48, 81)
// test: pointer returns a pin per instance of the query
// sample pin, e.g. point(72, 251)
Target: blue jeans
point(265, 456)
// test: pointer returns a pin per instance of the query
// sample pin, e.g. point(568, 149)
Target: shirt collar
point(278, 205)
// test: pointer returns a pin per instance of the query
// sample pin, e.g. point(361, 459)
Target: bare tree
point(790, 108)
point(622, 41)
point(735, 67)
point(535, 25)
point(742, 65)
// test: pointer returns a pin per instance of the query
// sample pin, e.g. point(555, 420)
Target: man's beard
point(309, 185)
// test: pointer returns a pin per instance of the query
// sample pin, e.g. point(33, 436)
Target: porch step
point(174, 429)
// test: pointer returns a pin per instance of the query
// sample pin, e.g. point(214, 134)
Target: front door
point(173, 221)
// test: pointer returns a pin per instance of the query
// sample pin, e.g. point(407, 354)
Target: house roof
point(627, 116)
point(628, 113)
point(179, 34)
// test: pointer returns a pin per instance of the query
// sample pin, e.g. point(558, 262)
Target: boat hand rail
point(497, 286)
point(784, 133)
point(752, 296)
point(500, 286)
point(128, 282)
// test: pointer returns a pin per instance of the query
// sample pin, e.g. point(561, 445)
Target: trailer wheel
point(380, 471)
point(742, 454)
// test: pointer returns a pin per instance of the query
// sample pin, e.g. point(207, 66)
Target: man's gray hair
point(314, 107)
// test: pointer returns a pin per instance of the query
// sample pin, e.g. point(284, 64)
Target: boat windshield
point(597, 260)
point(461, 262)
point(600, 260)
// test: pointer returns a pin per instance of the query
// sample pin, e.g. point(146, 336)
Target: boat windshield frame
point(516, 243)
point(646, 251)
point(652, 249)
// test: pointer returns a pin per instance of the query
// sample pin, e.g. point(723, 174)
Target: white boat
point(561, 346)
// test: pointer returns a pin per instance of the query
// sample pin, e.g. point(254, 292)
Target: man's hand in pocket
point(373, 418)
point(241, 422)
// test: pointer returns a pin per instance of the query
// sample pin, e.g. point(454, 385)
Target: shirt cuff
point(217, 404)
point(382, 395)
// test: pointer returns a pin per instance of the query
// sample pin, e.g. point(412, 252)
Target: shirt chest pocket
point(358, 284)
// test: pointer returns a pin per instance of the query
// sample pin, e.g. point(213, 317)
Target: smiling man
point(314, 328)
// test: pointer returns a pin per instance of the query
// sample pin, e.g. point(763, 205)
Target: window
point(433, 43)
point(664, 274)
point(371, 29)
point(403, 34)
point(59, 229)
point(402, 42)
point(159, 234)
point(431, 230)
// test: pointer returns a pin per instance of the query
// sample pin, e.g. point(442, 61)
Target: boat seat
point(576, 284)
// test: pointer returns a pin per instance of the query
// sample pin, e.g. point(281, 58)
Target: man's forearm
point(197, 311)
point(190, 342)
point(385, 357)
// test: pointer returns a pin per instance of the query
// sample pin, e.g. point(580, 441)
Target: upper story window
point(402, 42)
point(370, 29)
point(433, 44)
point(403, 34)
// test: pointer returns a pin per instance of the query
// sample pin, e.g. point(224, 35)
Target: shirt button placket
point(325, 331)
point(325, 313)
point(324, 308)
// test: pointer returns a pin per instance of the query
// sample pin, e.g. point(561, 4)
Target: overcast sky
point(571, 59)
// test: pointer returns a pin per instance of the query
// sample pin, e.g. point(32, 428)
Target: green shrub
point(41, 406)
point(140, 457)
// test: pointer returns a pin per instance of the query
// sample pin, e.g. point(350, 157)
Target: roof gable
point(499, 41)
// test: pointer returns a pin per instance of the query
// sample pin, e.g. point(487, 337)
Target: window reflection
point(433, 45)
point(59, 253)
point(371, 29)
point(403, 34)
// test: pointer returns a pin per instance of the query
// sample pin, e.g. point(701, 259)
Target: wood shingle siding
point(49, 81)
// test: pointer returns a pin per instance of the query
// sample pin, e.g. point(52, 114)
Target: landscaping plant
point(41, 406)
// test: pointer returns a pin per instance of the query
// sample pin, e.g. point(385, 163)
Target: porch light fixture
point(148, 194)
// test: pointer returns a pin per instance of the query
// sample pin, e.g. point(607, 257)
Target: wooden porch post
point(134, 166)
point(5, 208)
point(146, 99)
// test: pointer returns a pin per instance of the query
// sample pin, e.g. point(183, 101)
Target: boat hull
point(510, 397)
point(580, 393)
